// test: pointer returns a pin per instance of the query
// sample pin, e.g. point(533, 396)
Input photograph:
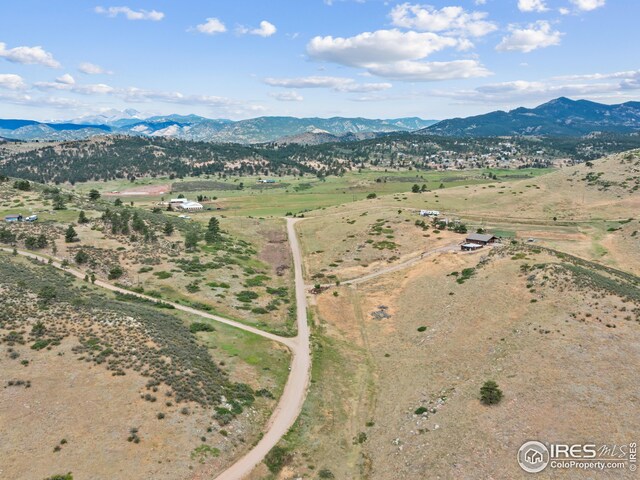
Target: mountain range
point(194, 127)
point(559, 117)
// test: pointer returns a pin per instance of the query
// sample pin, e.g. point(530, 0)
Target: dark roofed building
point(481, 238)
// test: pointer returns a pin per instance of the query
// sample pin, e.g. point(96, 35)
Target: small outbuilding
point(480, 238)
point(13, 218)
point(190, 206)
point(429, 213)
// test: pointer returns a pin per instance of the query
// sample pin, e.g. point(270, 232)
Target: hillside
point(118, 157)
point(558, 117)
point(561, 288)
point(81, 368)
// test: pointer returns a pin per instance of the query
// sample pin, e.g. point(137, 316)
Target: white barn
point(189, 206)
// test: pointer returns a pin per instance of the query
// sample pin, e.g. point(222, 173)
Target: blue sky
point(372, 58)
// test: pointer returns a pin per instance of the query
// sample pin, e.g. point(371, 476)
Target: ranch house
point(480, 238)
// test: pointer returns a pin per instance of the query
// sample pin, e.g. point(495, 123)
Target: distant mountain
point(32, 130)
point(194, 127)
point(318, 137)
point(110, 117)
point(559, 117)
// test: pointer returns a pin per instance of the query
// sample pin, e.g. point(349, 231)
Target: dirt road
point(394, 268)
point(295, 390)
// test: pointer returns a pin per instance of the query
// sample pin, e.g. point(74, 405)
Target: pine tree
point(490, 393)
point(82, 218)
point(94, 195)
point(168, 229)
point(213, 231)
point(70, 234)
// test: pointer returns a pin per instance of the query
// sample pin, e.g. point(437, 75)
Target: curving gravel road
point(295, 390)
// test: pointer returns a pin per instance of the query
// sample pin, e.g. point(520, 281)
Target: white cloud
point(480, 2)
point(536, 35)
point(130, 14)
point(532, 6)
point(28, 55)
point(222, 104)
point(11, 81)
point(287, 96)
point(337, 84)
point(67, 83)
point(266, 29)
point(451, 20)
point(612, 86)
point(564, 11)
point(93, 69)
point(412, 71)
point(39, 102)
point(66, 79)
point(394, 54)
point(379, 47)
point(588, 5)
point(210, 27)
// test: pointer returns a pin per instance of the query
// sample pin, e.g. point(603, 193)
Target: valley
point(388, 290)
point(320, 240)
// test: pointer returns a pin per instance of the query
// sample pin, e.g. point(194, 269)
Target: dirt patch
point(142, 190)
point(275, 251)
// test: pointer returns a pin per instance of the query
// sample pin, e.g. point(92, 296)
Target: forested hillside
point(107, 158)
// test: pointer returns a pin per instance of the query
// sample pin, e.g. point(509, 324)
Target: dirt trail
point(399, 266)
point(295, 390)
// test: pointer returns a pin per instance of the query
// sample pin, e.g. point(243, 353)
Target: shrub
point(40, 344)
point(246, 296)
point(81, 257)
point(115, 272)
point(490, 394)
point(277, 458)
point(360, 438)
point(201, 327)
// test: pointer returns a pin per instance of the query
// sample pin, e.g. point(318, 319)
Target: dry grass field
point(108, 388)
point(590, 211)
point(348, 242)
point(399, 359)
point(561, 348)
